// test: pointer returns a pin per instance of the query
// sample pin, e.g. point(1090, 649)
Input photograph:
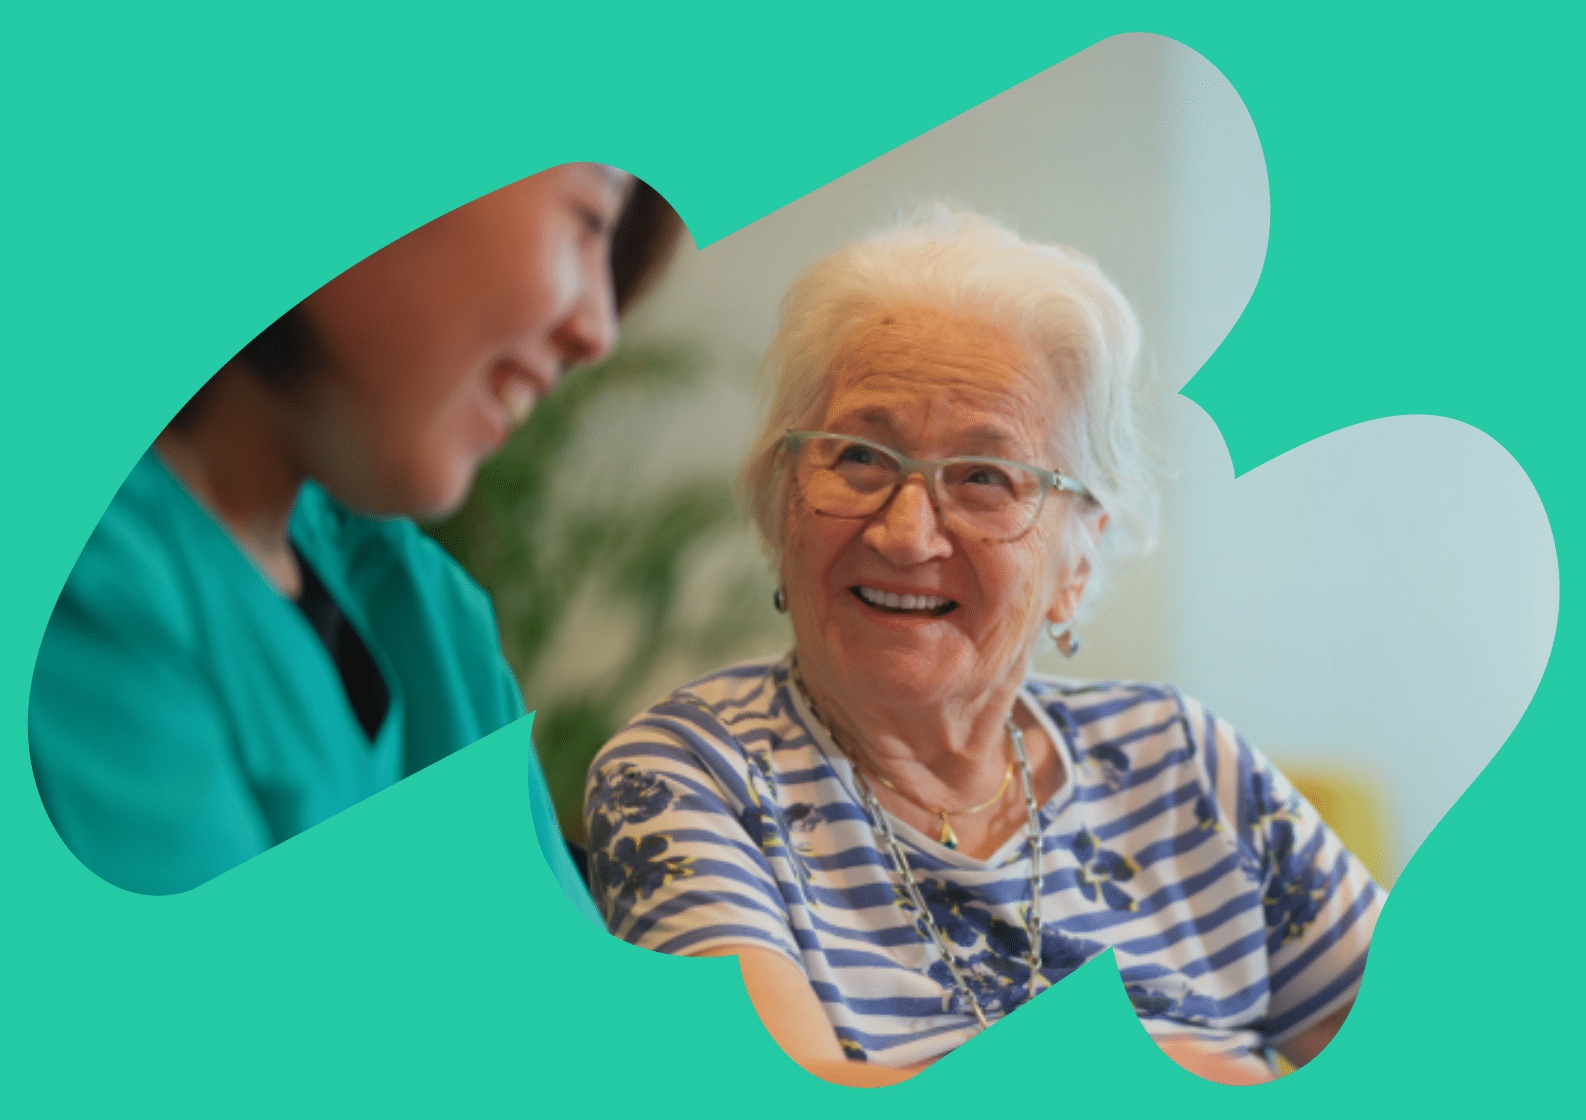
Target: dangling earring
point(778, 601)
point(1063, 634)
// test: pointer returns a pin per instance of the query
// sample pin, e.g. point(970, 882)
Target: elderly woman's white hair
point(1051, 299)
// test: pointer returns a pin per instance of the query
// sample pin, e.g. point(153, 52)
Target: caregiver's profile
point(256, 636)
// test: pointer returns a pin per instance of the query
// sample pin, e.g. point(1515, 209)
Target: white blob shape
point(1384, 596)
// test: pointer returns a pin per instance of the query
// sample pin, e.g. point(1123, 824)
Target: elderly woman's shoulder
point(751, 683)
point(1122, 732)
point(1081, 704)
point(749, 691)
point(714, 721)
point(1105, 693)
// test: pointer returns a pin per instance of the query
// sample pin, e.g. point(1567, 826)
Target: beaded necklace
point(923, 922)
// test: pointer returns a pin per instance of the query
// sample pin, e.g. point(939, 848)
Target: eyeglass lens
point(843, 478)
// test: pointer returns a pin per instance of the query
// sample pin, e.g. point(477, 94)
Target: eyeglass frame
point(928, 469)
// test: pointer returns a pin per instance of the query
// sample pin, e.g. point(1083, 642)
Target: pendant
point(949, 838)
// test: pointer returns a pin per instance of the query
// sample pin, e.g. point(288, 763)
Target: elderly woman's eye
point(983, 474)
point(858, 455)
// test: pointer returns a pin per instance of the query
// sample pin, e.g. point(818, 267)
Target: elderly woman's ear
point(1066, 602)
point(1067, 599)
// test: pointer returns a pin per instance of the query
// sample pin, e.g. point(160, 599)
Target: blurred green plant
point(551, 522)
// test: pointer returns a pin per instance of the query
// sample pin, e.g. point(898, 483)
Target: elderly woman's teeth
point(896, 602)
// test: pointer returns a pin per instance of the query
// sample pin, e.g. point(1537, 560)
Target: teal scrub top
point(185, 716)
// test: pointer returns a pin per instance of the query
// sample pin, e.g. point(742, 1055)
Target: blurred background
point(1373, 610)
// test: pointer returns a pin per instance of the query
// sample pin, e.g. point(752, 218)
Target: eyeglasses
point(996, 500)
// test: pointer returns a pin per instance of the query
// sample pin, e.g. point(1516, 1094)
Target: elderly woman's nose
point(907, 530)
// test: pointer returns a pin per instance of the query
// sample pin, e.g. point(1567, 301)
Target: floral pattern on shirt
point(629, 869)
point(1101, 870)
point(773, 827)
point(995, 966)
point(1295, 886)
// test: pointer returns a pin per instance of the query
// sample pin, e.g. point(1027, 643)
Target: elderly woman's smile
point(931, 606)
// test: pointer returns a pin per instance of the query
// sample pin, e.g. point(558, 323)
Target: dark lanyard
point(360, 676)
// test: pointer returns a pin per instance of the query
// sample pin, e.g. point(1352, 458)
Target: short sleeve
point(678, 818)
point(130, 743)
point(1319, 903)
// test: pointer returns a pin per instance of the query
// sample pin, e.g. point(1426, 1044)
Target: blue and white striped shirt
point(725, 815)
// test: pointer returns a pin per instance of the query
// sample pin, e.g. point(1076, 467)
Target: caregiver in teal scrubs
point(256, 636)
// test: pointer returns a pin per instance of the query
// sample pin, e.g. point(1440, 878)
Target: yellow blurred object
point(1352, 808)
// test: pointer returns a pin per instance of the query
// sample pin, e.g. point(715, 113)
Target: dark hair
point(647, 232)
point(286, 351)
point(281, 355)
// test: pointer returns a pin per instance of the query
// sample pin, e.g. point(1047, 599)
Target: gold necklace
point(949, 838)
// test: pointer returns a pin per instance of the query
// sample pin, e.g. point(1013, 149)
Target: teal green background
point(174, 181)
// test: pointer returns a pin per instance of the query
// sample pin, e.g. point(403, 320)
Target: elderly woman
point(901, 832)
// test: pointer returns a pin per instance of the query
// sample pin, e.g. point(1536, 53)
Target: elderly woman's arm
point(674, 869)
point(1320, 903)
point(793, 1016)
point(1308, 1043)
